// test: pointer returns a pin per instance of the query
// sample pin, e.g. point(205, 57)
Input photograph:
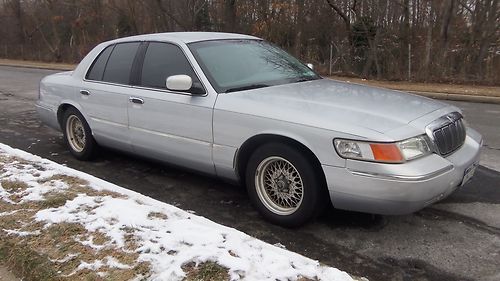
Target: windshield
point(237, 65)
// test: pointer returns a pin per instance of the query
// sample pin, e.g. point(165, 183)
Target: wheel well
point(60, 112)
point(253, 143)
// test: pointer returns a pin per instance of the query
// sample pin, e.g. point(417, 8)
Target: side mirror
point(179, 83)
point(310, 65)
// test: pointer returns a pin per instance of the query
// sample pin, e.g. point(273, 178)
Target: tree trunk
point(230, 16)
point(299, 44)
point(447, 14)
point(428, 44)
point(347, 23)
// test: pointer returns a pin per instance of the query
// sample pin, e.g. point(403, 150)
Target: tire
point(283, 185)
point(77, 135)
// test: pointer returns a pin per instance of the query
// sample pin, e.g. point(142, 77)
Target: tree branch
point(343, 15)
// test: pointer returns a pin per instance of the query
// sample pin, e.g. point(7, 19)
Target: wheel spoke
point(75, 133)
point(279, 185)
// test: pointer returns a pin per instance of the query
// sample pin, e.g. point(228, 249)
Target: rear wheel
point(78, 135)
point(283, 184)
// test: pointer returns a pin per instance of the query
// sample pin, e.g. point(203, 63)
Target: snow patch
point(167, 244)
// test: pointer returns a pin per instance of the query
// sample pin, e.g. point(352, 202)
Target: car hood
point(331, 104)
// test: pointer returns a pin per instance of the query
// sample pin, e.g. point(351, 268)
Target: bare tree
point(452, 40)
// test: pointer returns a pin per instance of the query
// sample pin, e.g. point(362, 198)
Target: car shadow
point(335, 218)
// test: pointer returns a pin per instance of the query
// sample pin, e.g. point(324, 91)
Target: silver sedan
point(237, 107)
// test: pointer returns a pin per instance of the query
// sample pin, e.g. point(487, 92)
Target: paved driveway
point(457, 239)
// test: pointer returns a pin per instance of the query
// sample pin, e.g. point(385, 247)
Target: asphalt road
point(456, 239)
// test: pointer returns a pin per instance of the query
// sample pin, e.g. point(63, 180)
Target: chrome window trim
point(146, 88)
point(142, 87)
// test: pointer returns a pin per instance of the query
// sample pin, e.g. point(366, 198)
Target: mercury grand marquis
point(238, 107)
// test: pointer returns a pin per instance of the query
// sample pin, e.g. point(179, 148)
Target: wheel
point(283, 185)
point(78, 135)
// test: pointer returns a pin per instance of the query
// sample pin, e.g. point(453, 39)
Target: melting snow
point(168, 241)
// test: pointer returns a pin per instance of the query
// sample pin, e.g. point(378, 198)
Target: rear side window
point(97, 69)
point(161, 61)
point(120, 63)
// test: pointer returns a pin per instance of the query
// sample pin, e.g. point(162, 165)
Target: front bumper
point(395, 189)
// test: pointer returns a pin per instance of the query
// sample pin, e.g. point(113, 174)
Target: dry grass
point(54, 252)
point(51, 252)
point(69, 180)
point(37, 64)
point(157, 215)
point(14, 186)
point(25, 262)
point(207, 271)
point(56, 199)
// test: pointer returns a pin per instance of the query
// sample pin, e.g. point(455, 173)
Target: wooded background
point(430, 40)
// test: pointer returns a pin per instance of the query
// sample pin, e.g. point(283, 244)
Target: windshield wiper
point(247, 87)
point(305, 78)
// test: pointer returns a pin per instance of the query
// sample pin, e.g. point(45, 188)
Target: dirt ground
point(6, 275)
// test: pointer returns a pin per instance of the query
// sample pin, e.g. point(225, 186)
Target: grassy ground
point(37, 64)
point(55, 252)
point(55, 226)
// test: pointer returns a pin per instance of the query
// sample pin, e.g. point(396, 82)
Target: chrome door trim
point(171, 136)
point(107, 122)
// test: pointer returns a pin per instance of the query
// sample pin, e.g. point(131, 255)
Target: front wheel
point(78, 135)
point(283, 184)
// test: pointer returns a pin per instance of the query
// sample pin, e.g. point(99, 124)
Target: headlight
point(415, 147)
point(397, 152)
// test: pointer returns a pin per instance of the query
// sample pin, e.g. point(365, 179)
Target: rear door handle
point(85, 92)
point(136, 100)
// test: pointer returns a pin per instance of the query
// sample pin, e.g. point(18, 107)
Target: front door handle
point(136, 100)
point(85, 92)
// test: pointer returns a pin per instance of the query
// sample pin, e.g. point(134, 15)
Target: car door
point(171, 126)
point(104, 94)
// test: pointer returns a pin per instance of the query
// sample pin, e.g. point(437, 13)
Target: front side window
point(120, 63)
point(161, 61)
point(237, 65)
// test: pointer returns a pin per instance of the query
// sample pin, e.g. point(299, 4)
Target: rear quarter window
point(97, 69)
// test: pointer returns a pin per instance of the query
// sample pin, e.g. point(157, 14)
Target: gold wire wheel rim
point(279, 185)
point(75, 133)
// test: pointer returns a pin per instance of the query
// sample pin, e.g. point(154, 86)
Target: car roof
point(185, 37)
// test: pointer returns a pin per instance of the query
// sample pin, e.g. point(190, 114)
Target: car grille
point(450, 137)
